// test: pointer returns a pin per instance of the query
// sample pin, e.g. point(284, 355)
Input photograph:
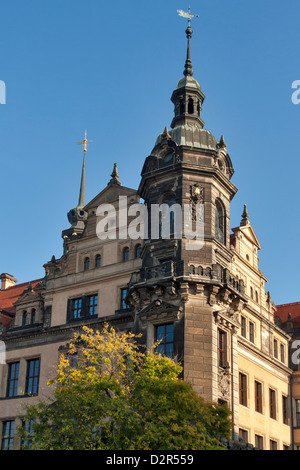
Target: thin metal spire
point(81, 200)
point(188, 70)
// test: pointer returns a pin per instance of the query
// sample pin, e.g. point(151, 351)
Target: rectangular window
point(258, 396)
point(8, 431)
point(259, 442)
point(123, 305)
point(273, 445)
point(165, 337)
point(243, 327)
point(13, 379)
point(275, 349)
point(298, 413)
point(251, 331)
point(272, 398)
point(243, 435)
point(82, 307)
point(32, 377)
point(28, 429)
point(243, 389)
point(282, 353)
point(92, 302)
point(76, 308)
point(285, 410)
point(222, 347)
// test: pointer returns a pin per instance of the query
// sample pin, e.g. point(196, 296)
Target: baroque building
point(204, 299)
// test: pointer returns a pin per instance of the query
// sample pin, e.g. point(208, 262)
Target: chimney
point(7, 281)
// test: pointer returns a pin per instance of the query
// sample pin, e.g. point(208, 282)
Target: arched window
point(220, 222)
point(191, 106)
point(181, 106)
point(33, 315)
point(251, 292)
point(87, 264)
point(98, 261)
point(126, 254)
point(24, 318)
point(138, 251)
point(256, 296)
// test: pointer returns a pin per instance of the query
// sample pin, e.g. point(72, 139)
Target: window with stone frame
point(222, 348)
point(86, 264)
point(285, 417)
point(272, 403)
point(32, 376)
point(123, 295)
point(243, 389)
point(13, 379)
point(258, 396)
point(259, 442)
point(98, 261)
point(220, 222)
point(82, 307)
point(164, 336)
point(8, 430)
point(126, 254)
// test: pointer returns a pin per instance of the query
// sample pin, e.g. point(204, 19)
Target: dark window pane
point(165, 337)
point(8, 435)
point(33, 371)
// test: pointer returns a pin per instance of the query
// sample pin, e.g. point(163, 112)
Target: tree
point(109, 395)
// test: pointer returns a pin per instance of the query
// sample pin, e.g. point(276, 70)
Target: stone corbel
point(184, 291)
point(214, 290)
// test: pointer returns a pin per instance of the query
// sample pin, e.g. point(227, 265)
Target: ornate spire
point(115, 175)
point(245, 217)
point(222, 144)
point(81, 200)
point(188, 70)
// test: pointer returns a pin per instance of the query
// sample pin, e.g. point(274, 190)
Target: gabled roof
point(249, 233)
point(109, 194)
point(9, 296)
point(293, 309)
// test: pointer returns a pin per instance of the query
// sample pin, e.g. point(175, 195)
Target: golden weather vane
point(84, 142)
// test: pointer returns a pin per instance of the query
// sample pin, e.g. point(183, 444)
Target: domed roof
point(189, 82)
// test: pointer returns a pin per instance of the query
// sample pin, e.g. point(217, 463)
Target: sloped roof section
point(9, 296)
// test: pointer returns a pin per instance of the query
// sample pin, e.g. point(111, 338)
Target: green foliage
point(115, 397)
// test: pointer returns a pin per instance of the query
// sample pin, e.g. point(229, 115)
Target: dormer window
point(33, 315)
point(24, 318)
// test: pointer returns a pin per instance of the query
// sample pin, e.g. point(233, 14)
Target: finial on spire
point(81, 201)
point(84, 142)
point(245, 216)
point(166, 134)
point(221, 144)
point(188, 70)
point(115, 175)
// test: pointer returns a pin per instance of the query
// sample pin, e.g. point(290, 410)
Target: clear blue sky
point(110, 68)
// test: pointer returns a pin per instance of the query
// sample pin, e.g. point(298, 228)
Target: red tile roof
point(9, 296)
point(293, 308)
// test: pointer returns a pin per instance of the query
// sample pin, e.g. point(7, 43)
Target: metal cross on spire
point(84, 142)
point(81, 201)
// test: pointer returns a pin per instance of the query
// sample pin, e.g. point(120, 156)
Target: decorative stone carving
point(224, 381)
point(196, 198)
